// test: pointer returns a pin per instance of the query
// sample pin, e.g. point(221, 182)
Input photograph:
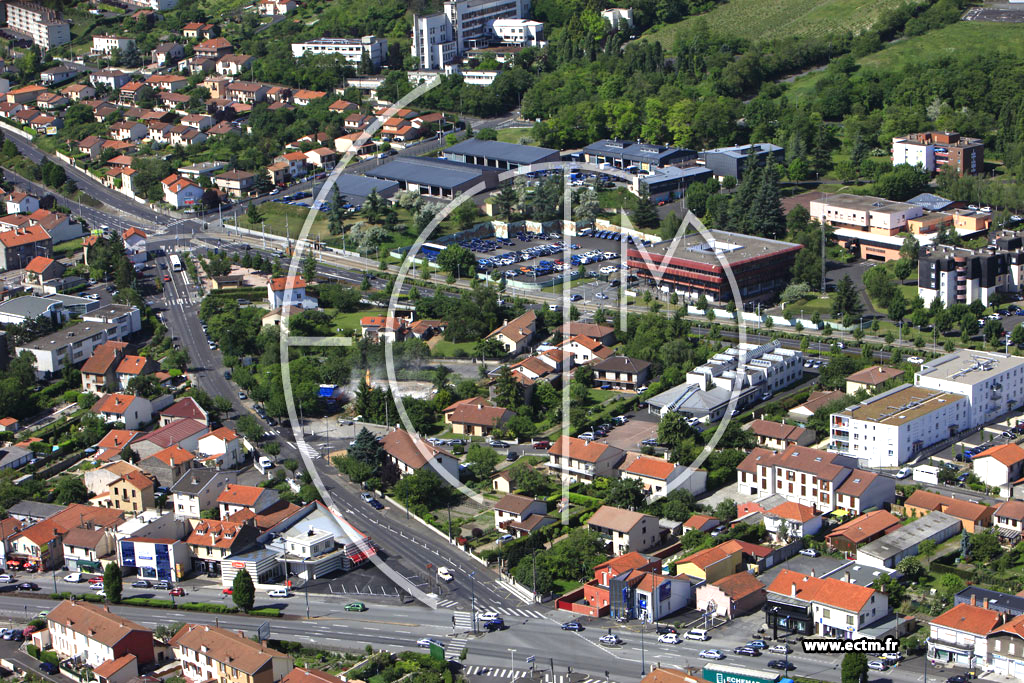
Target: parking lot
point(628, 437)
point(530, 256)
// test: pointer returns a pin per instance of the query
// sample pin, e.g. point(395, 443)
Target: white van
point(279, 593)
point(75, 577)
point(697, 634)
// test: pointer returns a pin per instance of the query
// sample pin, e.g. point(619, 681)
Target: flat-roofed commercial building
point(692, 266)
point(888, 429)
point(435, 177)
point(500, 155)
point(637, 156)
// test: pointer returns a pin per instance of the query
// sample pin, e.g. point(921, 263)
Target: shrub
point(266, 612)
point(51, 657)
point(207, 607)
point(32, 650)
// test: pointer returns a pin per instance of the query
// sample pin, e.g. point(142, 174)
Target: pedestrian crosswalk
point(462, 621)
point(447, 604)
point(512, 612)
point(512, 674)
point(454, 648)
point(307, 450)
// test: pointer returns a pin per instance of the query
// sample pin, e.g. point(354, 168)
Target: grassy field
point(516, 135)
point(282, 219)
point(808, 307)
point(446, 349)
point(758, 20)
point(350, 321)
point(961, 38)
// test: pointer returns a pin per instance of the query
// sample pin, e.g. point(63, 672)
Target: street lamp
point(513, 651)
point(472, 599)
point(305, 584)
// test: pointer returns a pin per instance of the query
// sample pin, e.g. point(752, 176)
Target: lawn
point(65, 249)
point(446, 349)
point(758, 20)
point(516, 135)
point(961, 38)
point(350, 321)
point(808, 307)
point(285, 219)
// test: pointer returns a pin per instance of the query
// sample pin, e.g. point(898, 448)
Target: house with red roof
point(722, 560)
point(236, 497)
point(183, 409)
point(96, 637)
point(133, 411)
point(732, 596)
point(585, 349)
point(113, 442)
point(849, 536)
point(411, 453)
point(135, 245)
point(973, 516)
point(289, 291)
point(213, 540)
point(185, 433)
point(1008, 521)
point(578, 460)
point(43, 270)
point(40, 543)
point(515, 514)
point(133, 492)
point(659, 477)
point(649, 594)
point(625, 530)
point(476, 416)
point(168, 465)
point(959, 636)
point(387, 329)
point(181, 192)
point(778, 436)
point(1001, 466)
point(19, 246)
point(826, 607)
point(131, 367)
point(703, 523)
point(792, 520)
point(221, 449)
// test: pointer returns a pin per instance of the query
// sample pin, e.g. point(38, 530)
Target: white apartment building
point(959, 636)
point(43, 25)
point(352, 49)
point(817, 479)
point(91, 635)
point(888, 429)
point(105, 45)
point(442, 38)
point(519, 32)
point(993, 383)
point(863, 213)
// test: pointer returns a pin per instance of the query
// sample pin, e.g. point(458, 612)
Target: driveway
point(628, 436)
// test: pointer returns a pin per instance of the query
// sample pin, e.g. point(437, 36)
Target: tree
point(465, 214)
point(984, 547)
point(909, 249)
point(243, 592)
point(112, 583)
point(846, 300)
point(70, 489)
point(247, 426)
point(254, 215)
point(725, 511)
point(911, 568)
point(896, 306)
point(506, 389)
point(926, 548)
point(627, 494)
point(222, 405)
point(481, 461)
point(855, 667)
point(902, 269)
point(309, 267)
point(129, 455)
point(457, 260)
point(645, 216)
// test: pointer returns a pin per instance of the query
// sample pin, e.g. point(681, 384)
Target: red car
point(542, 445)
point(179, 591)
point(227, 591)
point(167, 278)
point(95, 580)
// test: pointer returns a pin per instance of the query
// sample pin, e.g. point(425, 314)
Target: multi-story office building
point(442, 38)
point(934, 150)
point(888, 429)
point(993, 383)
point(731, 162)
point(352, 49)
point(43, 25)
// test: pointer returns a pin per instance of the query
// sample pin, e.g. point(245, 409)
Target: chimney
point(814, 573)
point(792, 590)
point(974, 600)
point(241, 633)
point(985, 604)
point(846, 577)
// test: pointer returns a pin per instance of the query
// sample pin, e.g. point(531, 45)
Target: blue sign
point(642, 601)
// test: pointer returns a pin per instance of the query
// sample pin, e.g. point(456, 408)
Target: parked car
point(572, 626)
point(904, 473)
point(958, 678)
point(48, 668)
point(141, 583)
point(711, 654)
point(669, 638)
point(367, 497)
point(916, 360)
point(877, 665)
point(279, 593)
point(809, 552)
point(666, 629)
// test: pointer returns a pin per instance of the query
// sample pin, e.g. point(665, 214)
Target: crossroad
point(512, 674)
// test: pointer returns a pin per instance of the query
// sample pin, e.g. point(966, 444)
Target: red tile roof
point(868, 525)
point(875, 375)
point(22, 236)
point(237, 494)
point(968, 618)
point(173, 455)
point(832, 592)
point(654, 468)
point(116, 404)
point(279, 284)
point(578, 449)
point(740, 585)
point(1008, 454)
point(39, 264)
point(961, 509)
point(616, 519)
point(794, 511)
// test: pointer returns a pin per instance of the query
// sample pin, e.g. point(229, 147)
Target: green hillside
point(758, 20)
point(963, 38)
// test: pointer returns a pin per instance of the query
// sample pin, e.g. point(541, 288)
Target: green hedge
point(147, 602)
point(265, 612)
point(208, 607)
point(50, 656)
point(32, 650)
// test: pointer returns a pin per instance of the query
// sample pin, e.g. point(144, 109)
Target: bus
point(175, 263)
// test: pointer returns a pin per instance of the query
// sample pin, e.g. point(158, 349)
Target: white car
point(669, 638)
point(891, 657)
point(609, 639)
point(711, 654)
point(809, 552)
point(488, 616)
point(279, 593)
point(427, 642)
point(916, 360)
point(101, 593)
point(903, 473)
point(7, 578)
point(445, 574)
point(878, 665)
point(780, 649)
point(696, 634)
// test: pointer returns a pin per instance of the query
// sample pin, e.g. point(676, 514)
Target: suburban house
point(778, 436)
point(959, 636)
point(217, 655)
point(815, 402)
point(134, 411)
point(657, 476)
point(289, 291)
point(184, 433)
point(622, 373)
point(476, 416)
point(40, 543)
point(602, 333)
point(594, 599)
point(515, 336)
point(198, 490)
point(181, 192)
point(410, 454)
point(135, 245)
point(1003, 467)
point(380, 328)
point(625, 530)
point(92, 635)
point(849, 536)
point(1006, 648)
point(1008, 520)
point(973, 516)
point(183, 409)
point(578, 460)
point(212, 540)
point(236, 183)
point(584, 349)
point(824, 607)
point(703, 523)
point(791, 520)
point(42, 270)
point(221, 448)
point(520, 515)
point(732, 596)
point(86, 549)
point(236, 497)
point(724, 559)
point(871, 378)
point(132, 367)
point(168, 466)
point(133, 493)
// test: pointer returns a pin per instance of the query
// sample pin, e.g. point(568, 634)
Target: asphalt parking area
point(607, 255)
point(1002, 15)
point(365, 581)
point(628, 436)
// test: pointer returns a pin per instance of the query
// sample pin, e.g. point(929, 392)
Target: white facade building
point(42, 24)
point(888, 429)
point(105, 45)
point(520, 32)
point(442, 38)
point(433, 42)
point(912, 153)
point(993, 383)
point(352, 49)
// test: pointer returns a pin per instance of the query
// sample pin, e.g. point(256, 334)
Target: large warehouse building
point(693, 266)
